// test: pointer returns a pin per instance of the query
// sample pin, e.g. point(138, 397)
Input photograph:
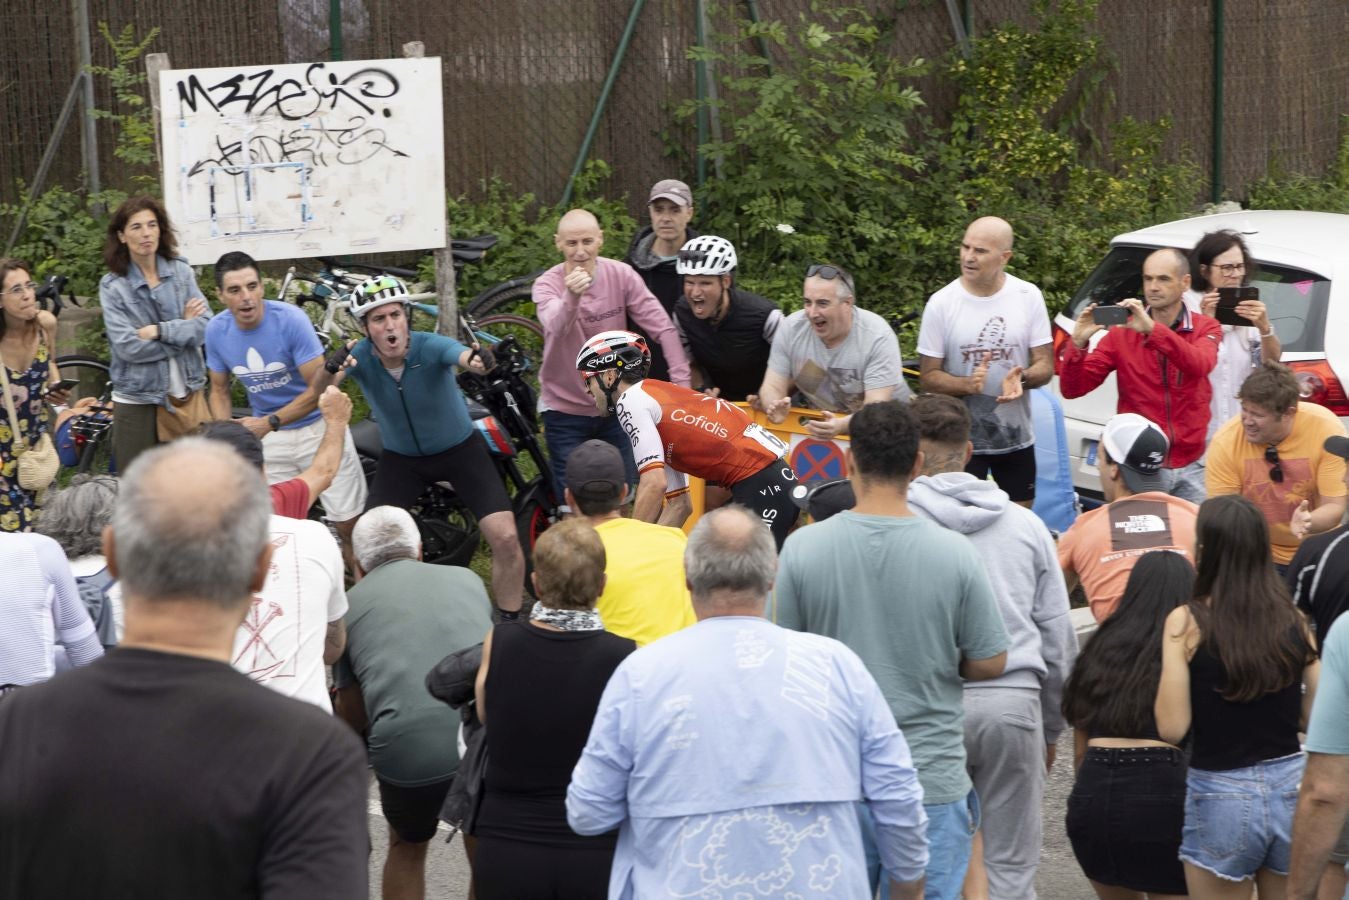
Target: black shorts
point(467, 466)
point(413, 812)
point(1125, 816)
point(768, 492)
point(1014, 472)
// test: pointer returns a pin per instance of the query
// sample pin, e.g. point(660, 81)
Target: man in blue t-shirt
point(272, 349)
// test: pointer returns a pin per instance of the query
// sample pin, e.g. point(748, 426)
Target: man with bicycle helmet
point(727, 332)
point(408, 377)
point(677, 432)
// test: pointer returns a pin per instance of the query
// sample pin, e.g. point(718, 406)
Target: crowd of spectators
point(195, 677)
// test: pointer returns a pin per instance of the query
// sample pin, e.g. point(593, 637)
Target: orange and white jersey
point(690, 433)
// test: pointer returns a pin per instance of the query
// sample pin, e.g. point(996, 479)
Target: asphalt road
point(1059, 877)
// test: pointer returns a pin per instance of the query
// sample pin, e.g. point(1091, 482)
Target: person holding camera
point(1220, 264)
point(1161, 353)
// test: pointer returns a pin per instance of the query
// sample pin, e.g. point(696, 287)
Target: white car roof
point(1311, 240)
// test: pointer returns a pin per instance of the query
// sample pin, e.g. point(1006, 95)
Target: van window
point(1296, 299)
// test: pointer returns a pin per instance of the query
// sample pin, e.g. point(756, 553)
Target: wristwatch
point(275, 421)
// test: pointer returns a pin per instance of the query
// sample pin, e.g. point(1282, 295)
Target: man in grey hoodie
point(1012, 722)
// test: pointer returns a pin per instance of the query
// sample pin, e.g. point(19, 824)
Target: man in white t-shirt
point(985, 338)
point(294, 628)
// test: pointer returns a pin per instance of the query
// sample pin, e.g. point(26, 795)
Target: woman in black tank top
point(1234, 663)
point(1128, 803)
point(541, 683)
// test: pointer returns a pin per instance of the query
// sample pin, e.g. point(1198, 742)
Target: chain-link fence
point(522, 77)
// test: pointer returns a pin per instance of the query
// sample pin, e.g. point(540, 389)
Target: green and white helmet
point(377, 291)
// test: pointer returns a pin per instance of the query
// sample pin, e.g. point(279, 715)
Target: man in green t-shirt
point(404, 616)
point(911, 598)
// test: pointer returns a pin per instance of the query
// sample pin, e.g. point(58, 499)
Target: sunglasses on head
point(829, 273)
point(1272, 457)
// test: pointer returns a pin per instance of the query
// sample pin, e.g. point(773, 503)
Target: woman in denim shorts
point(1128, 803)
point(1234, 663)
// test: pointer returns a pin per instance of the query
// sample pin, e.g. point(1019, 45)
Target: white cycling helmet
point(621, 350)
point(377, 291)
point(706, 255)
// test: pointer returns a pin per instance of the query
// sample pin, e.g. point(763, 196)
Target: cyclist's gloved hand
point(478, 359)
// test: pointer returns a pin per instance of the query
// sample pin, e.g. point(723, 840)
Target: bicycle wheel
point(91, 433)
point(532, 519)
point(449, 531)
point(528, 336)
point(514, 297)
point(92, 377)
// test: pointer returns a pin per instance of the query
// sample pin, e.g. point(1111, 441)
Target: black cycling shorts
point(768, 492)
point(467, 466)
point(413, 812)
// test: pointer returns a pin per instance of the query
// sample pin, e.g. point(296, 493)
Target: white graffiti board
point(303, 160)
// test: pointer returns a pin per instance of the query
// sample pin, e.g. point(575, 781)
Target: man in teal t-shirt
point(912, 600)
point(404, 616)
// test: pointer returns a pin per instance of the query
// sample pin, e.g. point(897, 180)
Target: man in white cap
point(1101, 548)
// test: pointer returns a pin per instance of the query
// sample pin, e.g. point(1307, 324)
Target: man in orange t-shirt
point(1100, 550)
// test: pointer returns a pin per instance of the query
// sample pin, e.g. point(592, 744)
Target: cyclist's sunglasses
point(829, 273)
point(1276, 472)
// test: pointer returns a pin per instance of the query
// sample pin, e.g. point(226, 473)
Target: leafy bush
point(63, 234)
point(833, 141)
point(1285, 190)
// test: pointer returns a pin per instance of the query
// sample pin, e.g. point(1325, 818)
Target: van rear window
point(1296, 299)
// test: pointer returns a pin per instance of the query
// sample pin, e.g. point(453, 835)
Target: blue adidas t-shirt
point(267, 359)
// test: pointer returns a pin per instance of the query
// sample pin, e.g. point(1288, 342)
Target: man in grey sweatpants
point(1012, 722)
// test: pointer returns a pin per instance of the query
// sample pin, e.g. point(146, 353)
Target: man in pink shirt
point(577, 299)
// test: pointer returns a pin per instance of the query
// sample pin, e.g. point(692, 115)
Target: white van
point(1302, 263)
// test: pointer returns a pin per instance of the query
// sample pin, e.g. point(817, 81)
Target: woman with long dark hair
point(1234, 663)
point(155, 316)
point(28, 353)
point(1128, 803)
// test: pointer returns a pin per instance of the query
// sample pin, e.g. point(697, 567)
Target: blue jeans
point(1188, 482)
point(1239, 821)
point(950, 837)
point(563, 433)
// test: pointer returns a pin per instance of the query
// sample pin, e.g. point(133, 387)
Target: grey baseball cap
point(670, 189)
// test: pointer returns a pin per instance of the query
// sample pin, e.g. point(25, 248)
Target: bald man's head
point(730, 562)
point(1166, 277)
point(579, 239)
point(191, 524)
point(984, 252)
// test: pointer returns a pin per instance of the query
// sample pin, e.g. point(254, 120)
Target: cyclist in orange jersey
point(677, 432)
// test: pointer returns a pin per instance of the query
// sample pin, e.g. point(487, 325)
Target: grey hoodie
point(1023, 568)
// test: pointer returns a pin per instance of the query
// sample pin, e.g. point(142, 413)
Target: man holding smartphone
point(1161, 356)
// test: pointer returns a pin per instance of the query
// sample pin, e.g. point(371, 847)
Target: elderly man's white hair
point(384, 534)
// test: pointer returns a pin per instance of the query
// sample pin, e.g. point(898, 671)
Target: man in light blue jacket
point(733, 754)
point(1012, 722)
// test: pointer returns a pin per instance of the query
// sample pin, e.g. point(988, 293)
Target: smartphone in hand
point(1110, 314)
point(1228, 298)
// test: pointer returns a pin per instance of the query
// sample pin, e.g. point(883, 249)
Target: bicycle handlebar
point(333, 363)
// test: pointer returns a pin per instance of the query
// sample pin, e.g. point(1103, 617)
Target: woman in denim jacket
point(155, 316)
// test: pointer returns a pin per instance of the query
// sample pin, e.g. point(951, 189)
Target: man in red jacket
point(1162, 357)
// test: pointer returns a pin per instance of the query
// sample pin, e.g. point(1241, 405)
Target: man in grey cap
point(656, 248)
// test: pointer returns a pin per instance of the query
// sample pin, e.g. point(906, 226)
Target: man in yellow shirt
point(645, 596)
point(1273, 453)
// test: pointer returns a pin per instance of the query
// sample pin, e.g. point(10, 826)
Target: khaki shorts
point(290, 451)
